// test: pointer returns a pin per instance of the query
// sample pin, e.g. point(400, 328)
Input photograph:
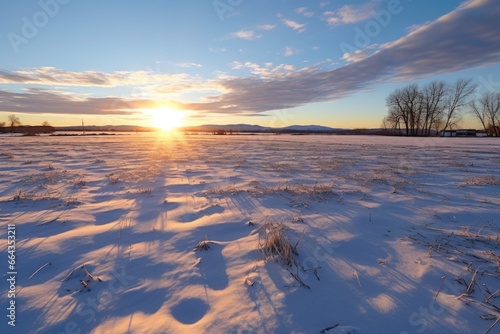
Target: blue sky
point(272, 63)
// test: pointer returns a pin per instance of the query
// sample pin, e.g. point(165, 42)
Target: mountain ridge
point(240, 127)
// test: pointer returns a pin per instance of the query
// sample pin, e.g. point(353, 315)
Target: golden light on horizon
point(166, 118)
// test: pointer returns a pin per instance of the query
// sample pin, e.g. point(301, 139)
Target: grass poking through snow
point(273, 243)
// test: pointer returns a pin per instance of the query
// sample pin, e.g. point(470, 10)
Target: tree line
point(416, 110)
point(14, 125)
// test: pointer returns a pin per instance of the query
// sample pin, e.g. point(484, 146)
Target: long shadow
point(122, 292)
point(212, 268)
point(212, 210)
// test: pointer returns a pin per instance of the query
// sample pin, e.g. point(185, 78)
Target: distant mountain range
point(106, 128)
point(258, 128)
point(228, 128)
point(204, 128)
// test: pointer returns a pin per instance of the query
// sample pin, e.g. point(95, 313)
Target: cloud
point(267, 27)
point(266, 71)
point(351, 13)
point(50, 76)
point(53, 76)
point(250, 35)
point(244, 34)
point(50, 102)
point(222, 50)
point(359, 55)
point(288, 51)
point(299, 27)
point(356, 56)
point(187, 65)
point(304, 11)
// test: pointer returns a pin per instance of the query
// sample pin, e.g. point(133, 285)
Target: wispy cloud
point(141, 84)
point(354, 57)
point(50, 76)
point(249, 35)
point(265, 71)
point(360, 54)
point(53, 76)
point(49, 102)
point(299, 27)
point(351, 13)
point(414, 27)
point(214, 50)
point(288, 51)
point(304, 11)
point(267, 27)
point(187, 65)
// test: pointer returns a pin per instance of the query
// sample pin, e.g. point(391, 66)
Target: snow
point(377, 223)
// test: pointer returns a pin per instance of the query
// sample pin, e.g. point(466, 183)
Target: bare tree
point(433, 96)
point(458, 96)
point(487, 110)
point(397, 112)
point(405, 108)
point(437, 105)
point(386, 124)
point(438, 124)
point(14, 121)
point(412, 107)
point(45, 123)
point(479, 110)
point(392, 122)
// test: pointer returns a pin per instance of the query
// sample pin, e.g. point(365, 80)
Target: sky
point(266, 62)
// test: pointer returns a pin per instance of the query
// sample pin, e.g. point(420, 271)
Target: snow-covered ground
point(393, 235)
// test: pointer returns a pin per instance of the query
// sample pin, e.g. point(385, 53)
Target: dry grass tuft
point(273, 243)
point(146, 191)
point(203, 245)
point(79, 182)
point(82, 275)
point(113, 179)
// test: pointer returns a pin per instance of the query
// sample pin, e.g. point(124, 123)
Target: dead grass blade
point(36, 271)
point(440, 287)
point(493, 325)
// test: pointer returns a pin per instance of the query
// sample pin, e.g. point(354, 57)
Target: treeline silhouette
point(427, 110)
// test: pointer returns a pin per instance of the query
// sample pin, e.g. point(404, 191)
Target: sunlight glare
point(166, 118)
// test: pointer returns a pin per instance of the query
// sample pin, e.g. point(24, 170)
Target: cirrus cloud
point(351, 13)
point(51, 102)
point(249, 35)
point(299, 27)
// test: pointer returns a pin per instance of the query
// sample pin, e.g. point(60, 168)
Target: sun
point(166, 118)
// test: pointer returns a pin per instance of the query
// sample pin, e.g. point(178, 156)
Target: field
point(251, 234)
